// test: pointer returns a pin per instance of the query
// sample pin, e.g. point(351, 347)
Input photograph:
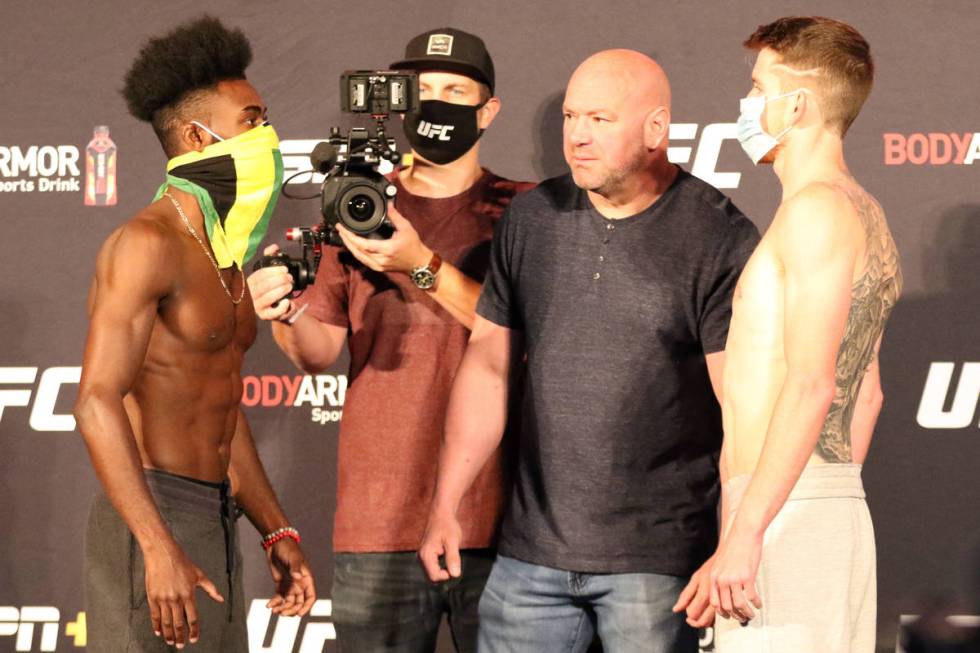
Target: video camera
point(354, 192)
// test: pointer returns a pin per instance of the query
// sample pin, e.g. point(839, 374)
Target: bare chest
point(201, 315)
point(757, 304)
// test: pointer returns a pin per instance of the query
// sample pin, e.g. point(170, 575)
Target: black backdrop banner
point(74, 165)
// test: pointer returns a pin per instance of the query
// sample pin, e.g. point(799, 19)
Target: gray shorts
point(201, 517)
point(817, 574)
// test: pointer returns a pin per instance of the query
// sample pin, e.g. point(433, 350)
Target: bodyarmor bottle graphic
point(100, 169)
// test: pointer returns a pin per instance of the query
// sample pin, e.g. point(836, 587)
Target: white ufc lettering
point(285, 632)
point(43, 417)
point(708, 149)
point(960, 414)
point(430, 130)
point(20, 376)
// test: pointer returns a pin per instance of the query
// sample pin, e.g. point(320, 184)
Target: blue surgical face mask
point(753, 138)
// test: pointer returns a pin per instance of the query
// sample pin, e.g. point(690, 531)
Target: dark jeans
point(529, 607)
point(384, 602)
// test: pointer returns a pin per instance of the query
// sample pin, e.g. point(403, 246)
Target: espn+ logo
point(35, 628)
point(935, 148)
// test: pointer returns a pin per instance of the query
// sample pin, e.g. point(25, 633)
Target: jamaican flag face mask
point(236, 183)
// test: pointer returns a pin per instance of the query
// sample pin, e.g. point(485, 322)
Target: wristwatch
point(424, 276)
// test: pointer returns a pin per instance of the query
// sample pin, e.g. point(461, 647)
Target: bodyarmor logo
point(966, 395)
point(708, 148)
point(324, 393)
point(429, 130)
point(39, 168)
point(933, 148)
point(284, 635)
point(43, 417)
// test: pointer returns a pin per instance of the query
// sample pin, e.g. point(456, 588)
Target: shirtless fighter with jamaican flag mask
point(236, 183)
point(158, 403)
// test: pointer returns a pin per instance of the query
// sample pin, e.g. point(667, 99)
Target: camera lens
point(361, 208)
point(360, 205)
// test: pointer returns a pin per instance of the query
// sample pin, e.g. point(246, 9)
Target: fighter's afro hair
point(194, 56)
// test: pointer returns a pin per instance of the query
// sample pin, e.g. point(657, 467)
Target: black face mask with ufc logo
point(441, 132)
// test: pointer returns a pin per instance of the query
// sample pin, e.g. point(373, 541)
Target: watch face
point(423, 278)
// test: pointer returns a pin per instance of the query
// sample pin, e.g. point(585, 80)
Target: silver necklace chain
point(193, 232)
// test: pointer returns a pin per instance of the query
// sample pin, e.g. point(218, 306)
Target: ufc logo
point(43, 417)
point(429, 130)
point(708, 149)
point(966, 395)
point(22, 624)
point(285, 634)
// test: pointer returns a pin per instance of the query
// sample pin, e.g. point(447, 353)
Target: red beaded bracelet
point(288, 531)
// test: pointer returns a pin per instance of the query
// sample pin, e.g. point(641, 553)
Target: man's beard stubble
point(613, 181)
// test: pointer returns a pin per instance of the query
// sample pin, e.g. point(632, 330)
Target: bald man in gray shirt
point(616, 282)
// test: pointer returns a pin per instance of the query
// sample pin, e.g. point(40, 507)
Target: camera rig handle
point(311, 239)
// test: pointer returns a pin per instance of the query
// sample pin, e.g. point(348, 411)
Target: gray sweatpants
point(201, 517)
point(817, 574)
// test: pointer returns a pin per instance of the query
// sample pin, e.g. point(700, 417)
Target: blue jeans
point(383, 602)
point(527, 607)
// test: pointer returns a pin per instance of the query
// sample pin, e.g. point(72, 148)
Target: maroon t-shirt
point(404, 351)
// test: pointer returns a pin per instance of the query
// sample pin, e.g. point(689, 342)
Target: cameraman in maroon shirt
point(405, 306)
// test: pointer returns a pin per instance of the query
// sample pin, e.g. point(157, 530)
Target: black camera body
point(354, 192)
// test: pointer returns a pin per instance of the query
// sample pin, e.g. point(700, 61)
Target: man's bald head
point(638, 78)
point(617, 113)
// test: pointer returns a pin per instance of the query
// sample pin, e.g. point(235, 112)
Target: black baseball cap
point(449, 49)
